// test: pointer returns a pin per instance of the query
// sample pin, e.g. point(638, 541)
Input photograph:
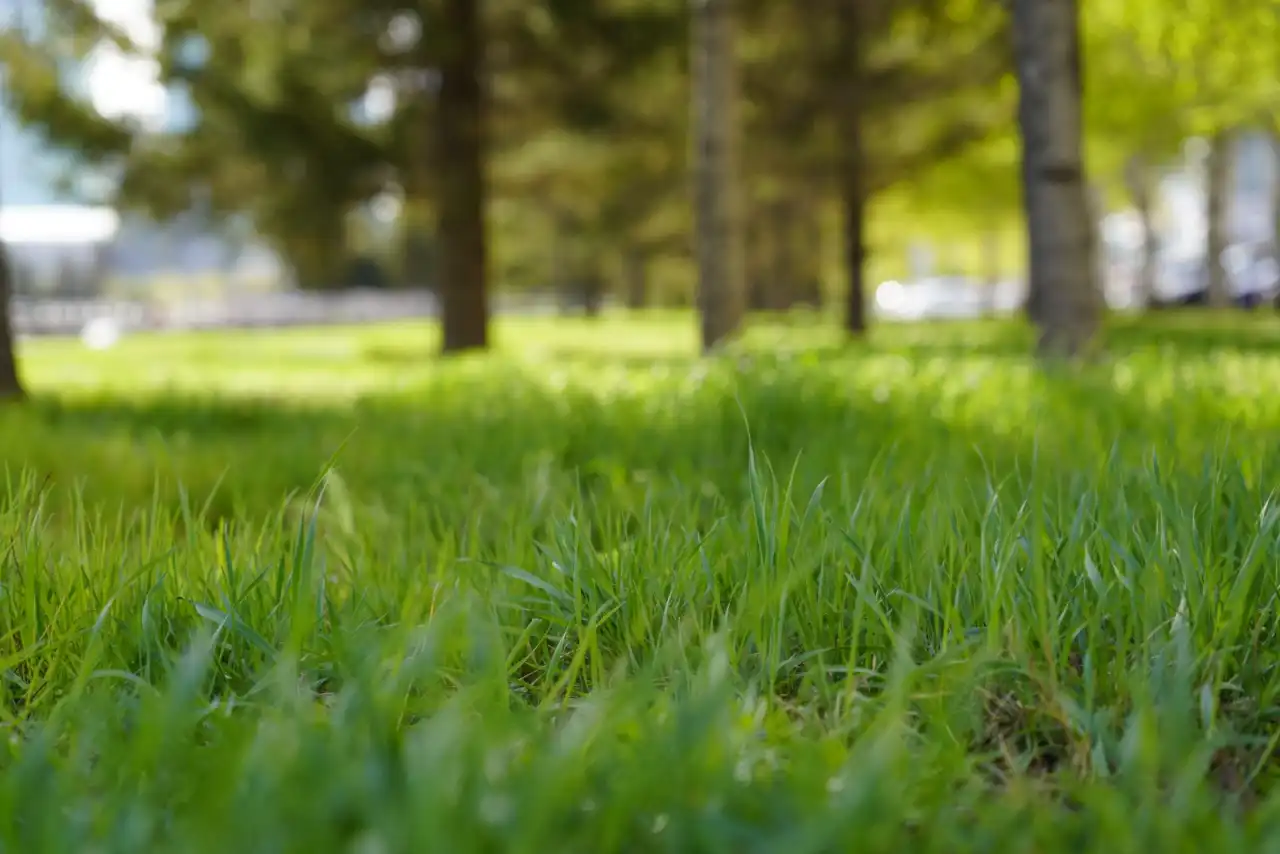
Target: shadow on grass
point(1193, 333)
point(480, 430)
point(407, 356)
point(1190, 333)
point(496, 441)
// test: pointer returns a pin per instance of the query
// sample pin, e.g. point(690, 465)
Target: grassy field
point(317, 591)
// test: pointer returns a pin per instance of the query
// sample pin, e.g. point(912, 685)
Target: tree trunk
point(855, 250)
point(592, 287)
point(784, 277)
point(756, 257)
point(1035, 297)
point(1141, 187)
point(635, 272)
point(1217, 180)
point(810, 228)
point(10, 384)
point(717, 200)
point(1063, 268)
point(1096, 204)
point(461, 155)
point(852, 163)
point(563, 270)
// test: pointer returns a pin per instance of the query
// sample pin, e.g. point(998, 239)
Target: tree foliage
point(588, 121)
point(275, 134)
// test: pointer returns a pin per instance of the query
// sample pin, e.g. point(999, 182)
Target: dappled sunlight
point(636, 382)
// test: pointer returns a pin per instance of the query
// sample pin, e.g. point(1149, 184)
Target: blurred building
point(188, 250)
point(1250, 217)
point(58, 239)
point(71, 251)
point(58, 250)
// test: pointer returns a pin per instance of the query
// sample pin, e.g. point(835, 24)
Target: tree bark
point(461, 156)
point(717, 199)
point(1217, 180)
point(1063, 269)
point(852, 165)
point(10, 383)
point(1139, 178)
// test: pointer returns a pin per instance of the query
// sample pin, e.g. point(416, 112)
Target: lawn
point(319, 591)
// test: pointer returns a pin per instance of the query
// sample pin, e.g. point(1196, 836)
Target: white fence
point(295, 308)
point(298, 308)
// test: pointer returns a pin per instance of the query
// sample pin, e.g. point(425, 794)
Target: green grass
point(317, 591)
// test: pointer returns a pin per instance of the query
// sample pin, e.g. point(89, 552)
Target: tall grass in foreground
point(799, 602)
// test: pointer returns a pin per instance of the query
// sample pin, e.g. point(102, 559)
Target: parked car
point(941, 297)
point(1253, 274)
